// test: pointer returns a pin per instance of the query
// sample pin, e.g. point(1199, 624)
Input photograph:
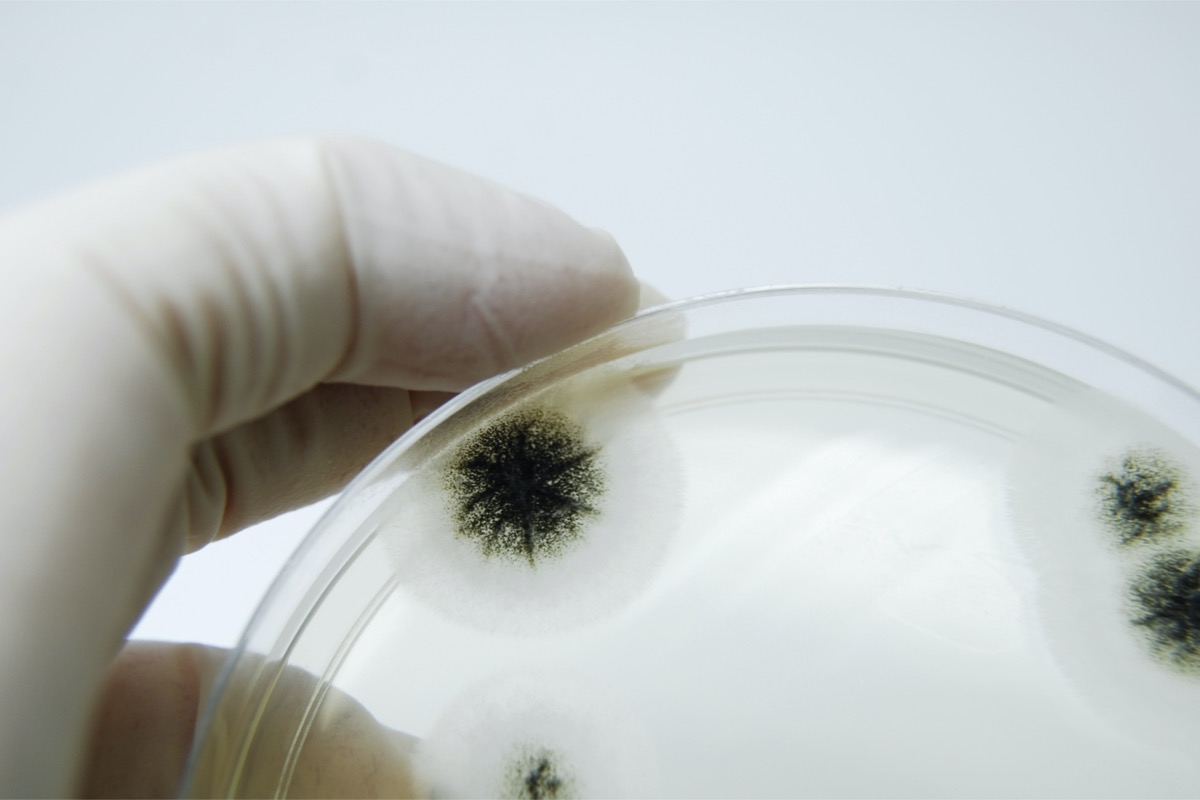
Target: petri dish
point(796, 541)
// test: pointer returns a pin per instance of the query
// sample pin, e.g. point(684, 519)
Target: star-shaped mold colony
point(1143, 497)
point(527, 486)
point(541, 512)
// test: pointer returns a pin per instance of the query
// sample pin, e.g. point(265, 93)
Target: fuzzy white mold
point(537, 735)
point(567, 538)
point(1101, 497)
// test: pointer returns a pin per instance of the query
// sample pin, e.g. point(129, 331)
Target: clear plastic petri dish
point(807, 541)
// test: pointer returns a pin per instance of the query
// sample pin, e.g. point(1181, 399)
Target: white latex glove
point(202, 345)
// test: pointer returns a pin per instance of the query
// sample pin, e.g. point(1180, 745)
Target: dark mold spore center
point(525, 487)
point(1166, 601)
point(1142, 499)
point(538, 774)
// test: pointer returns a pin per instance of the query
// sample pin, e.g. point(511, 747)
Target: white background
point(1040, 156)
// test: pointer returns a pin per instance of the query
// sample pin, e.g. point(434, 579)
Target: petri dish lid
point(793, 541)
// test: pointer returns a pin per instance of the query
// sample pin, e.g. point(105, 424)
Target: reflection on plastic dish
point(791, 542)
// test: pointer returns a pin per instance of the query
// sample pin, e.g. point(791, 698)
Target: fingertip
point(616, 259)
point(650, 297)
point(604, 290)
point(627, 290)
point(459, 278)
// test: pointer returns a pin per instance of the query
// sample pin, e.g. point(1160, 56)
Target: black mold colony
point(1140, 500)
point(538, 776)
point(1166, 599)
point(524, 487)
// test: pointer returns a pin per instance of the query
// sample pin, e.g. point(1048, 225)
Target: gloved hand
point(205, 344)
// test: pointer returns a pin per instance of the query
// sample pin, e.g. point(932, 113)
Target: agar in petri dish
point(809, 541)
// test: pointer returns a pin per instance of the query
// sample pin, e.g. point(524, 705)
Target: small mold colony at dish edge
point(1102, 500)
point(1165, 599)
point(537, 736)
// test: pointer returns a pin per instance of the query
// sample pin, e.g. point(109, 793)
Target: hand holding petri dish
point(809, 541)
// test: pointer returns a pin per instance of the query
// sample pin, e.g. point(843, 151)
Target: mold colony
point(1102, 498)
point(1142, 500)
point(525, 487)
point(537, 736)
point(543, 524)
point(1166, 607)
